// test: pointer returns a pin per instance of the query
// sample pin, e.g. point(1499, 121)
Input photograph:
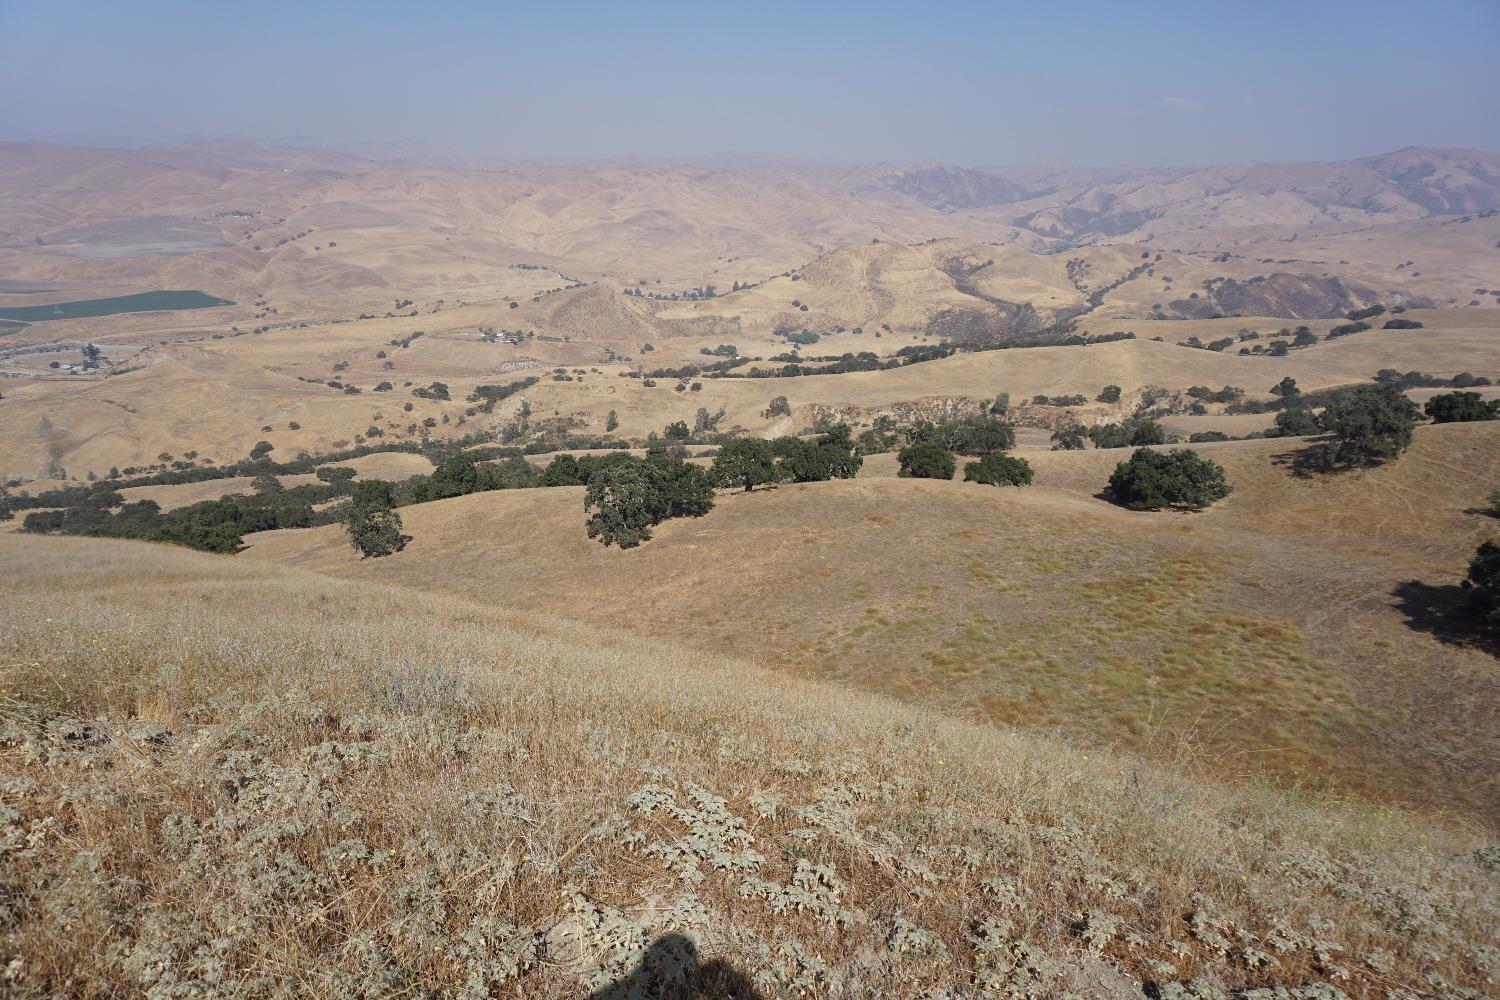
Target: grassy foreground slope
point(224, 778)
point(1294, 629)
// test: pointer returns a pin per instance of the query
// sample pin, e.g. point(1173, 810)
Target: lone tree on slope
point(1373, 424)
point(1178, 480)
point(371, 519)
point(925, 460)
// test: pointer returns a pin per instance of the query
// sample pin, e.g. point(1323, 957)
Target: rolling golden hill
point(223, 776)
point(217, 397)
point(1293, 631)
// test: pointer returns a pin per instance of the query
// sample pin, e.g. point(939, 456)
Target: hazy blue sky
point(1084, 83)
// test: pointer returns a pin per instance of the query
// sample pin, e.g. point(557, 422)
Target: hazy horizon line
point(396, 153)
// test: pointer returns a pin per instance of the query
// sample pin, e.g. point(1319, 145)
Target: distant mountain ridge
point(336, 234)
point(956, 187)
point(1409, 183)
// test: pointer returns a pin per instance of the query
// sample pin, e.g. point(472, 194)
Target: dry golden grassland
point(1287, 632)
point(228, 779)
point(215, 397)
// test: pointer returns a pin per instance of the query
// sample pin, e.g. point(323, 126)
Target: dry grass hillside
point(223, 778)
point(878, 736)
point(215, 397)
point(1295, 630)
point(328, 262)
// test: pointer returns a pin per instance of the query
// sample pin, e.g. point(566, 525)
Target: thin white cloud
point(1181, 104)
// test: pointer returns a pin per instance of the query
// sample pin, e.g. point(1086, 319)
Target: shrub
point(622, 502)
point(611, 421)
point(747, 462)
point(1483, 581)
point(995, 469)
point(925, 460)
point(1295, 421)
point(1204, 437)
point(967, 437)
point(1371, 424)
point(778, 407)
point(562, 471)
point(1369, 312)
point(1180, 480)
point(629, 496)
point(261, 449)
point(1461, 407)
point(370, 517)
point(682, 489)
point(1228, 394)
point(1344, 329)
point(982, 437)
point(457, 476)
point(1068, 438)
point(1401, 324)
point(831, 456)
point(515, 473)
point(705, 422)
point(1110, 435)
point(1148, 432)
point(1109, 394)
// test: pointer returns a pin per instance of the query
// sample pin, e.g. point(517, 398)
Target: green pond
point(140, 302)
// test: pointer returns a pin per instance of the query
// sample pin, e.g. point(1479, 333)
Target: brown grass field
point(253, 382)
point(225, 777)
point(870, 737)
point(1292, 631)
